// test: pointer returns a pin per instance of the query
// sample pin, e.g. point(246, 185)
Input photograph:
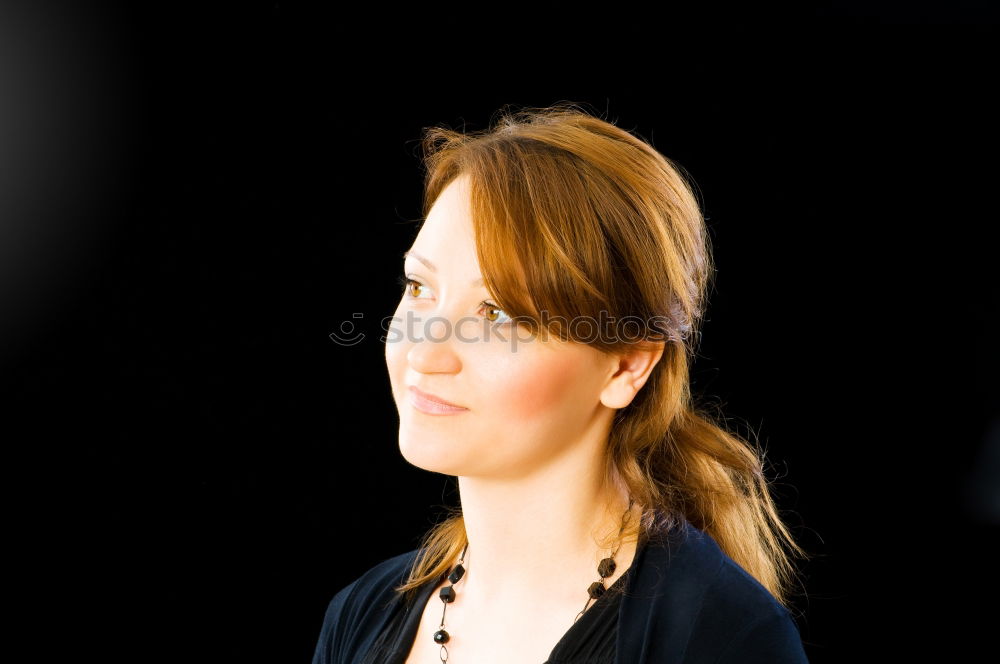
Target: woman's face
point(525, 400)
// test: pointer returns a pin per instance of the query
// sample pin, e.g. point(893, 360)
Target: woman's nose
point(435, 344)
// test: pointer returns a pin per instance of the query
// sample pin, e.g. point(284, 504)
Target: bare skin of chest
point(497, 639)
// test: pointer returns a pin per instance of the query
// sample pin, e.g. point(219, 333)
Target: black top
point(588, 640)
point(683, 601)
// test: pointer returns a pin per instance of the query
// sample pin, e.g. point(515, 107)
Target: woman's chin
point(429, 454)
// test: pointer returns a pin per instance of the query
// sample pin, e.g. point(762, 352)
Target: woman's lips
point(432, 405)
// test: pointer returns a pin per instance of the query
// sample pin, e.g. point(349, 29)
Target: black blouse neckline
point(403, 628)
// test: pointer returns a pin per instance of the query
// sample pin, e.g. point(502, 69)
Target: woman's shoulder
point(386, 574)
point(375, 586)
point(694, 562)
point(687, 586)
point(357, 611)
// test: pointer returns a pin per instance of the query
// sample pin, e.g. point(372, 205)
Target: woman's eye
point(489, 306)
point(407, 284)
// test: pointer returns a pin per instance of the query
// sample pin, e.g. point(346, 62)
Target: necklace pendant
point(606, 567)
point(596, 589)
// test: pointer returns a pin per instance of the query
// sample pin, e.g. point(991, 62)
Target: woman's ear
point(627, 374)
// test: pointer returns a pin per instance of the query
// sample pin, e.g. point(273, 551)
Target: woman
point(550, 302)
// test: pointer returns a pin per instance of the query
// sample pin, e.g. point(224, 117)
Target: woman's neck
point(542, 535)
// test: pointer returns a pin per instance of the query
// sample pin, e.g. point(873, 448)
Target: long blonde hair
point(594, 218)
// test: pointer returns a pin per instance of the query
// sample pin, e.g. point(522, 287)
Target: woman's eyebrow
point(430, 266)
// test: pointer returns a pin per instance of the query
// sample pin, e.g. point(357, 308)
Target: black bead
point(457, 574)
point(606, 567)
point(596, 589)
point(448, 594)
point(441, 636)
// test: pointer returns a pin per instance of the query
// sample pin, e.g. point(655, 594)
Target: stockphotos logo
point(437, 329)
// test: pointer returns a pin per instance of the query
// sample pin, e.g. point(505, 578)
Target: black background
point(199, 195)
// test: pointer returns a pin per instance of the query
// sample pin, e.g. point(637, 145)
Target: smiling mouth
point(428, 404)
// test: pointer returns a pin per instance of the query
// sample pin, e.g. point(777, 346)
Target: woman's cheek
point(534, 389)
